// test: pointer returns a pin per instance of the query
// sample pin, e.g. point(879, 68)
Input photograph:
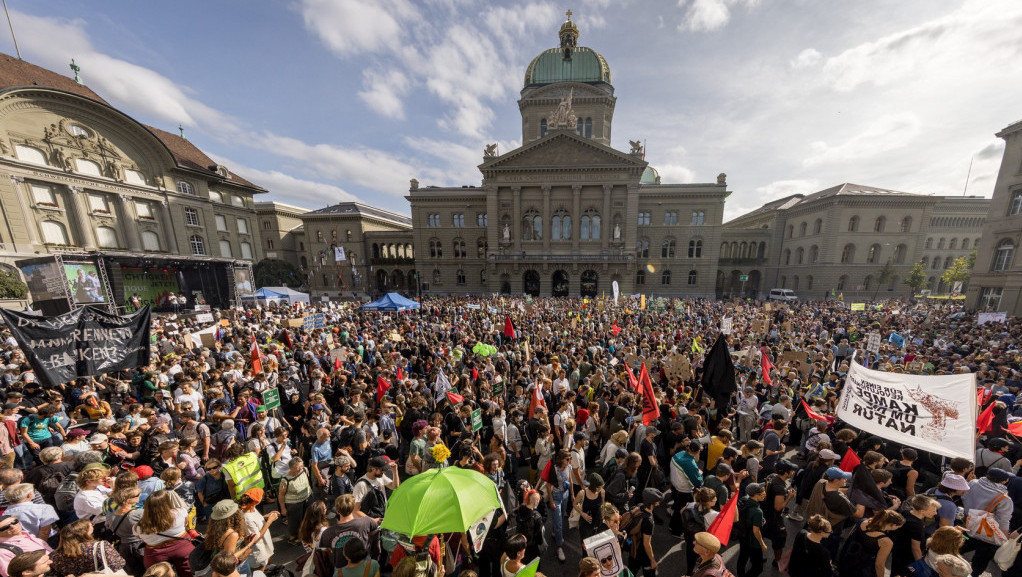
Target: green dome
point(585, 65)
point(650, 176)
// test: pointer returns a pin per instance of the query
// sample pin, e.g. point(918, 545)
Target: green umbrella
point(446, 500)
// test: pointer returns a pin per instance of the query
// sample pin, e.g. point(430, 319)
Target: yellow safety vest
point(245, 473)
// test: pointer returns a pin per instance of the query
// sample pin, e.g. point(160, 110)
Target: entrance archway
point(588, 284)
point(381, 281)
point(505, 284)
point(530, 283)
point(559, 282)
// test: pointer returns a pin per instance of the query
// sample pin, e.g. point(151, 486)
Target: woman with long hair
point(622, 485)
point(313, 524)
point(865, 552)
point(944, 541)
point(162, 529)
point(79, 552)
point(696, 518)
point(227, 532)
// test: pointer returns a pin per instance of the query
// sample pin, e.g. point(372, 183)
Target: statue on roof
point(564, 116)
point(636, 147)
point(490, 151)
point(722, 178)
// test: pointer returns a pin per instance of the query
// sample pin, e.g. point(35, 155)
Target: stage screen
point(86, 286)
point(44, 281)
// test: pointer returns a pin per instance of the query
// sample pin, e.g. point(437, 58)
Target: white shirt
point(360, 490)
point(89, 504)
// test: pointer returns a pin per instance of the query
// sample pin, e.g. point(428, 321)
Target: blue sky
point(327, 100)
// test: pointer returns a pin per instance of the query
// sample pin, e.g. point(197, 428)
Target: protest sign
point(858, 306)
point(873, 343)
point(933, 413)
point(271, 398)
point(477, 420)
point(478, 530)
point(725, 326)
point(984, 318)
point(604, 547)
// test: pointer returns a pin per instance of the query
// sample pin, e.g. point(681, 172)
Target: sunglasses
point(9, 525)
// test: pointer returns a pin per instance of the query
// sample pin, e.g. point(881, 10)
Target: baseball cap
point(379, 462)
point(954, 482)
point(785, 466)
point(95, 465)
point(651, 496)
point(754, 489)
point(997, 475)
point(317, 407)
point(143, 472)
point(77, 433)
point(827, 455)
point(98, 438)
point(835, 473)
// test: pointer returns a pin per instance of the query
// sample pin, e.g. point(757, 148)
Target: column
point(78, 215)
point(576, 215)
point(516, 217)
point(546, 218)
point(168, 228)
point(607, 221)
point(127, 221)
point(31, 223)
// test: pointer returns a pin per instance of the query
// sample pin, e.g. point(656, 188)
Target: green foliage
point(960, 270)
point(11, 286)
point(886, 273)
point(916, 277)
point(276, 272)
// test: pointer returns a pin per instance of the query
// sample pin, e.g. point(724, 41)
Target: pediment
point(563, 150)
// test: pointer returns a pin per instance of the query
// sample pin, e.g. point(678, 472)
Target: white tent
point(277, 294)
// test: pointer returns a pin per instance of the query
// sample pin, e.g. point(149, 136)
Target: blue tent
point(391, 302)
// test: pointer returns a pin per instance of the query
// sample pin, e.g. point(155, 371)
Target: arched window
point(787, 256)
point(459, 248)
point(698, 217)
point(791, 230)
point(818, 226)
point(794, 283)
point(106, 237)
point(841, 282)
point(185, 187)
point(906, 224)
point(965, 244)
point(376, 250)
point(814, 254)
point(802, 229)
point(925, 262)
point(734, 250)
point(940, 244)
point(665, 277)
point(461, 276)
point(724, 249)
point(799, 255)
point(482, 277)
point(936, 262)
point(150, 241)
point(853, 224)
point(879, 225)
point(1003, 255)
point(873, 256)
point(640, 277)
point(743, 250)
point(667, 248)
point(481, 245)
point(560, 226)
point(809, 283)
point(436, 249)
point(848, 253)
point(693, 277)
point(642, 248)
point(542, 127)
point(589, 228)
point(87, 167)
point(53, 232)
point(532, 226)
point(197, 244)
point(31, 155)
point(953, 245)
point(899, 254)
point(762, 250)
point(695, 248)
point(947, 262)
point(867, 283)
point(929, 243)
point(225, 248)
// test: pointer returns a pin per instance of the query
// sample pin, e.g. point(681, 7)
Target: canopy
point(446, 500)
point(391, 302)
point(276, 294)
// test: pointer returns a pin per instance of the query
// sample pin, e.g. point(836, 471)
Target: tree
point(885, 276)
point(959, 271)
point(916, 278)
point(11, 286)
point(276, 272)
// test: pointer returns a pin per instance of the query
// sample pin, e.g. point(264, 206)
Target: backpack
point(48, 486)
point(631, 526)
point(64, 496)
point(374, 503)
point(349, 438)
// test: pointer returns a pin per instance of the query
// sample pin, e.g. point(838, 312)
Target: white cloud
point(383, 92)
point(806, 58)
point(350, 27)
point(710, 15)
point(290, 189)
point(883, 135)
point(736, 207)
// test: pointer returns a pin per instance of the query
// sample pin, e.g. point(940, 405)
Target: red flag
point(400, 374)
point(985, 422)
point(721, 526)
point(509, 328)
point(337, 364)
point(632, 381)
point(615, 329)
point(814, 415)
point(537, 399)
point(545, 474)
point(475, 374)
point(287, 340)
point(381, 387)
point(850, 461)
point(767, 367)
point(1015, 428)
point(650, 409)
point(979, 396)
point(257, 363)
point(454, 398)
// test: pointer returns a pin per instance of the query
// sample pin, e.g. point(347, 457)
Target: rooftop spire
point(568, 35)
point(181, 130)
point(76, 70)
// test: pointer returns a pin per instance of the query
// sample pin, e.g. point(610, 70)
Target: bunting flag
point(442, 385)
point(381, 387)
point(650, 408)
point(509, 328)
point(722, 525)
point(257, 362)
point(719, 374)
point(615, 329)
point(767, 367)
point(985, 422)
point(454, 398)
point(536, 400)
point(814, 415)
point(633, 382)
point(849, 461)
point(475, 374)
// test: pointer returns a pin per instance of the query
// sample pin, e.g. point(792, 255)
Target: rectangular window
point(246, 251)
point(43, 195)
point(644, 218)
point(267, 225)
point(143, 209)
point(221, 223)
point(192, 217)
point(670, 218)
point(458, 220)
point(434, 220)
point(97, 203)
point(242, 226)
point(482, 219)
point(1016, 203)
point(990, 298)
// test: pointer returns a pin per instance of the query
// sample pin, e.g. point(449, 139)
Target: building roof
point(650, 176)
point(359, 209)
point(849, 189)
point(15, 73)
point(585, 65)
point(187, 155)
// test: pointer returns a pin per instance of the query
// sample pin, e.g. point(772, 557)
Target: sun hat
point(223, 510)
point(707, 541)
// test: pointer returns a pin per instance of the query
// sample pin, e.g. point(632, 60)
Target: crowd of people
point(187, 466)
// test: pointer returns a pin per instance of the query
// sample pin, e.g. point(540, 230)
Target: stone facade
point(996, 282)
point(837, 241)
point(277, 225)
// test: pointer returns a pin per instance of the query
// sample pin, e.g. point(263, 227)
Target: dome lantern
point(568, 35)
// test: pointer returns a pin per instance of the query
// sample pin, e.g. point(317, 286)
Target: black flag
point(719, 373)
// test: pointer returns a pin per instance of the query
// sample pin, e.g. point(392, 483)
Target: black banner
point(84, 342)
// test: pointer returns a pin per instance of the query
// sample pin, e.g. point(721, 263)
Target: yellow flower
point(440, 452)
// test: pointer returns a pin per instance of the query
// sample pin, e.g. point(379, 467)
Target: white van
point(780, 294)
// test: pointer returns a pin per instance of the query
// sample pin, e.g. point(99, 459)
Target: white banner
point(873, 343)
point(441, 386)
point(725, 325)
point(984, 318)
point(936, 414)
point(339, 253)
point(617, 291)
